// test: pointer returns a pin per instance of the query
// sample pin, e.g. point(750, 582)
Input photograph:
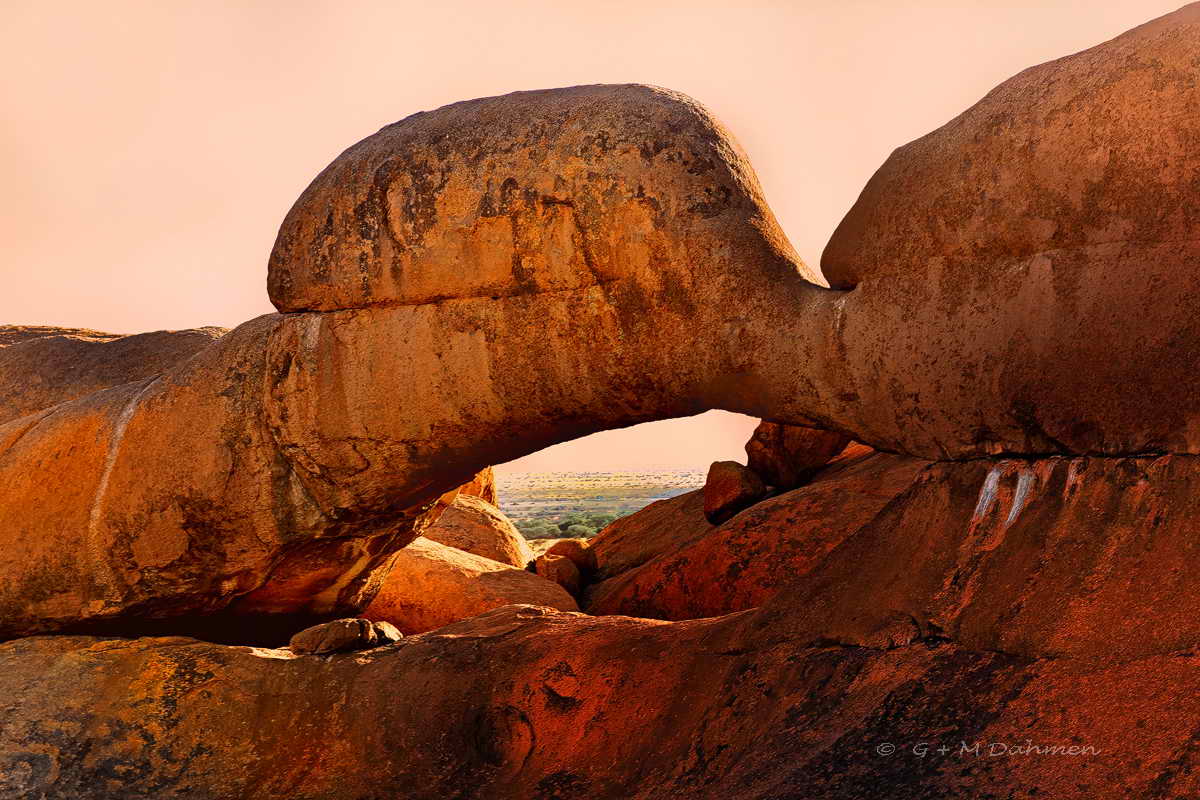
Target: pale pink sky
point(149, 150)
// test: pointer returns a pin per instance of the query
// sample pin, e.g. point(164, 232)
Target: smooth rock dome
point(523, 193)
point(1086, 160)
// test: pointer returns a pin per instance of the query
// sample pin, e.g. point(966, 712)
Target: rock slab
point(431, 585)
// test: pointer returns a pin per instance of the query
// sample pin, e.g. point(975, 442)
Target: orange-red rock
point(42, 366)
point(663, 526)
point(560, 570)
point(540, 547)
point(531, 703)
point(172, 497)
point(578, 550)
point(439, 277)
point(1047, 601)
point(1087, 558)
point(476, 526)
point(432, 328)
point(728, 489)
point(483, 486)
point(623, 216)
point(786, 456)
point(431, 585)
point(707, 571)
point(280, 471)
point(1026, 274)
point(343, 636)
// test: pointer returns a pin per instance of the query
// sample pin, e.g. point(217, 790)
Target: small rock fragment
point(337, 636)
point(561, 570)
point(787, 456)
point(729, 488)
point(386, 632)
point(577, 550)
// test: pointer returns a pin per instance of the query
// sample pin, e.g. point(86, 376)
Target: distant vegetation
point(574, 525)
point(550, 505)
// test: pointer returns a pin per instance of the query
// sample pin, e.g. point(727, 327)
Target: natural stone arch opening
point(603, 476)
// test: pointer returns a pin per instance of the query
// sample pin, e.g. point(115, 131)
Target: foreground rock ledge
point(1088, 558)
point(526, 702)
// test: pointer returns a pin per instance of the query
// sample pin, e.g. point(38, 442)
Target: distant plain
point(540, 502)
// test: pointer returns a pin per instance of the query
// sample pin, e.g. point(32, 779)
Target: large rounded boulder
point(476, 526)
point(1026, 278)
point(431, 585)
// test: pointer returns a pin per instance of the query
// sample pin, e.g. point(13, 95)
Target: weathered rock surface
point(342, 636)
point(171, 498)
point(729, 488)
point(663, 526)
point(622, 226)
point(579, 551)
point(786, 456)
point(540, 547)
point(431, 585)
point(993, 582)
point(272, 477)
point(526, 702)
point(707, 571)
point(436, 281)
point(483, 486)
point(1061, 557)
point(555, 190)
point(625, 215)
point(1036, 289)
point(560, 570)
point(43, 366)
point(476, 526)
point(1087, 558)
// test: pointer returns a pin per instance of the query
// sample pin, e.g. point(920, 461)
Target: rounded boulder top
point(528, 192)
point(1078, 158)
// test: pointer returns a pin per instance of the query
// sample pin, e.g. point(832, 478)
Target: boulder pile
point(477, 526)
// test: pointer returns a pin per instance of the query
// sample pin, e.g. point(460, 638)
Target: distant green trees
point(537, 528)
point(579, 525)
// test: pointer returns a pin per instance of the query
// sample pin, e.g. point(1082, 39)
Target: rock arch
point(478, 282)
point(464, 287)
